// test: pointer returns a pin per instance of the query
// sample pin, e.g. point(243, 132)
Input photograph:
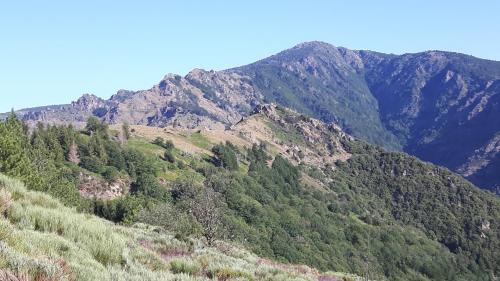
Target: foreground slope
point(43, 240)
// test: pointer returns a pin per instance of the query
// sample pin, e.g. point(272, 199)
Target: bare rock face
point(202, 99)
point(75, 113)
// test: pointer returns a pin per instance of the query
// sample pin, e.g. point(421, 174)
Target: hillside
point(368, 192)
point(287, 187)
point(438, 106)
point(43, 240)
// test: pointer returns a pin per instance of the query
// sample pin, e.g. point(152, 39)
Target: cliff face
point(442, 107)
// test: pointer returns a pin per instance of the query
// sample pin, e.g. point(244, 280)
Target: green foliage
point(36, 159)
point(272, 213)
point(169, 156)
point(96, 126)
point(226, 156)
point(184, 266)
point(382, 215)
point(428, 198)
point(123, 209)
point(14, 158)
point(172, 218)
point(166, 144)
point(147, 185)
point(138, 163)
point(93, 164)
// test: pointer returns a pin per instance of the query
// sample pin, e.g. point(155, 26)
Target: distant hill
point(439, 106)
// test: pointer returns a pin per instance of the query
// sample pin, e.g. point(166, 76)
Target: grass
point(289, 136)
point(168, 171)
point(200, 140)
point(40, 239)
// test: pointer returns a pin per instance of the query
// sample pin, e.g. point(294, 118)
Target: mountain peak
point(88, 102)
point(313, 44)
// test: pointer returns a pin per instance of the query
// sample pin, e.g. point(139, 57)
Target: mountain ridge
point(437, 105)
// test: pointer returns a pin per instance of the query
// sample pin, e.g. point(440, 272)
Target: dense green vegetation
point(381, 215)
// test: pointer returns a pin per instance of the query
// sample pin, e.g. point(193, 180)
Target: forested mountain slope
point(287, 187)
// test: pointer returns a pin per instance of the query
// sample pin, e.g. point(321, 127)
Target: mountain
point(438, 106)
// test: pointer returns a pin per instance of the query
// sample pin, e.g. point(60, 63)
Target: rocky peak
point(122, 95)
point(88, 102)
point(199, 74)
point(314, 46)
point(264, 108)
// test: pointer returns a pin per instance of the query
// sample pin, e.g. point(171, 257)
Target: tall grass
point(40, 239)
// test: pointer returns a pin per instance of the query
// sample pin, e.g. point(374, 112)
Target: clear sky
point(53, 51)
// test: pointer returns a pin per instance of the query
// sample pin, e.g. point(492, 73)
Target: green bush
point(225, 156)
point(110, 173)
point(184, 266)
point(93, 164)
point(169, 156)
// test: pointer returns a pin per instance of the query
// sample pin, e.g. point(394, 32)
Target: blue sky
point(53, 51)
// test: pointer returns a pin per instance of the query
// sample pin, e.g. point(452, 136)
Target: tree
point(166, 144)
point(148, 185)
point(126, 130)
point(14, 155)
point(73, 154)
point(159, 141)
point(94, 125)
point(207, 211)
point(226, 156)
point(169, 156)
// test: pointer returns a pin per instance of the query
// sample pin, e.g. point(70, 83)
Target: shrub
point(110, 173)
point(166, 144)
point(226, 156)
point(5, 200)
point(169, 156)
point(227, 273)
point(171, 219)
point(92, 164)
point(184, 266)
point(159, 141)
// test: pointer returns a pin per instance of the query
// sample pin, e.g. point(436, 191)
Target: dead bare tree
point(73, 153)
point(206, 208)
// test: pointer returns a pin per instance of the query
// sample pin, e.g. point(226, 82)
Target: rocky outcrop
point(91, 187)
point(299, 138)
point(88, 103)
